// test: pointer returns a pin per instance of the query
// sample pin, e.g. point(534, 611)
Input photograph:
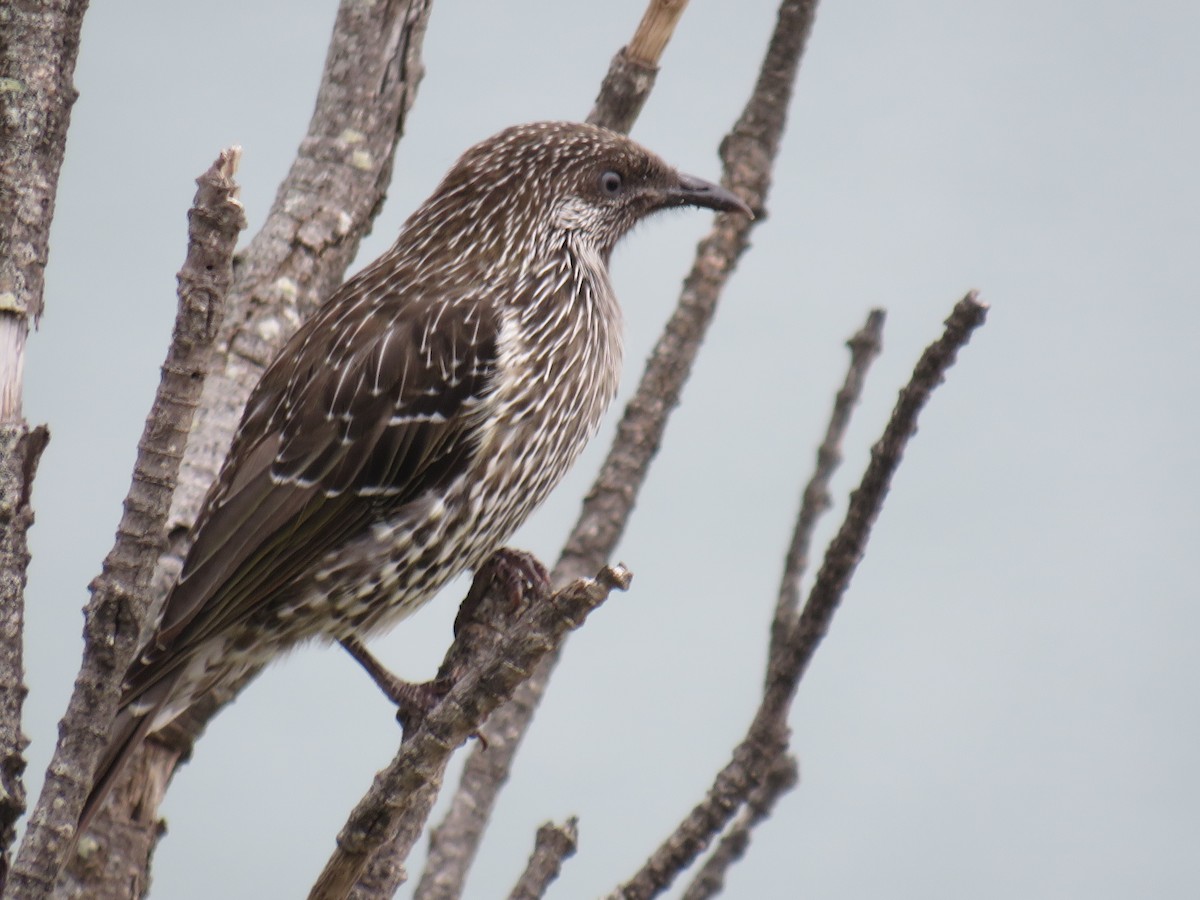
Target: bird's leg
point(413, 700)
point(520, 575)
point(508, 576)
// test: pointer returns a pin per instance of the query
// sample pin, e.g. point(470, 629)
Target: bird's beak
point(693, 191)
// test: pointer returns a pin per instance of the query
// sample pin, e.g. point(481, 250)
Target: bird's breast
point(557, 369)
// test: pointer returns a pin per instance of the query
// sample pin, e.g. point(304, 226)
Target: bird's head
point(531, 186)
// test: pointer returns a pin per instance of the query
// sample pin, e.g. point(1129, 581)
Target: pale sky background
point(1006, 706)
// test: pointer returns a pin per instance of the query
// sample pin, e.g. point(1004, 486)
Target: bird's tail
point(130, 728)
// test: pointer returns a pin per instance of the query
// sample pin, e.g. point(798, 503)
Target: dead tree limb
point(632, 71)
point(20, 450)
point(487, 663)
point(864, 346)
point(37, 70)
point(121, 593)
point(766, 739)
point(710, 879)
point(554, 844)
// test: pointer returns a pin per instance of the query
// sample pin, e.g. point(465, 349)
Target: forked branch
point(491, 656)
point(766, 740)
point(121, 593)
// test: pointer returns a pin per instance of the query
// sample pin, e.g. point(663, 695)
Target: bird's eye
point(610, 183)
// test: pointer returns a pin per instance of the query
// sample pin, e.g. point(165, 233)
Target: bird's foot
point(508, 577)
point(520, 575)
point(413, 700)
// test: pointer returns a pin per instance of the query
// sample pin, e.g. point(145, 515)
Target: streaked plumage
point(414, 422)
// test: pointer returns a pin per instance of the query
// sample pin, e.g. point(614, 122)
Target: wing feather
point(372, 404)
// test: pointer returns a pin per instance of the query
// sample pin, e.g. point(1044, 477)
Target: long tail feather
point(129, 731)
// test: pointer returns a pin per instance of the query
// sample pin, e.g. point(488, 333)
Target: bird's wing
point(372, 404)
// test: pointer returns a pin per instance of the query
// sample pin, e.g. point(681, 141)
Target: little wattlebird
point(414, 422)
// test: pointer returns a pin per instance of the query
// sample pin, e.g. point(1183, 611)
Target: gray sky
point(1006, 705)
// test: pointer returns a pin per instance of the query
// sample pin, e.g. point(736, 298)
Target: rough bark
point(491, 655)
point(38, 47)
point(20, 449)
point(710, 879)
point(554, 844)
point(121, 593)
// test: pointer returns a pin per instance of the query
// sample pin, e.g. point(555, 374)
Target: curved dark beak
point(694, 191)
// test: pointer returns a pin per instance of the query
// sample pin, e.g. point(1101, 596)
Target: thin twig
point(848, 546)
point(121, 593)
point(554, 844)
point(710, 879)
point(766, 738)
point(633, 69)
point(486, 663)
point(748, 153)
point(864, 347)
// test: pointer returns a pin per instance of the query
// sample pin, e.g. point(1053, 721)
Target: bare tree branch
point(748, 153)
point(120, 594)
point(38, 46)
point(766, 739)
point(848, 546)
point(485, 664)
point(710, 879)
point(632, 71)
point(322, 210)
point(864, 346)
point(37, 69)
point(554, 844)
point(20, 450)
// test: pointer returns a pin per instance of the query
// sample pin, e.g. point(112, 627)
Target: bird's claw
point(415, 700)
point(520, 575)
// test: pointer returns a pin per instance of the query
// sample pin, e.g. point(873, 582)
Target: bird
point(413, 423)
